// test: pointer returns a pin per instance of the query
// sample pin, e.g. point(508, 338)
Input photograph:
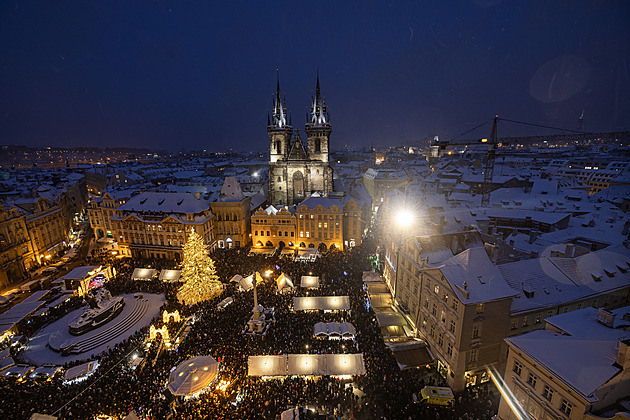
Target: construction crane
point(492, 144)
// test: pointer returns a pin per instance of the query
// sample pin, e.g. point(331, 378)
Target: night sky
point(201, 74)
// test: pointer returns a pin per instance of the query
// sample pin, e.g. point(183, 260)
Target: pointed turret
point(318, 126)
point(277, 128)
point(279, 113)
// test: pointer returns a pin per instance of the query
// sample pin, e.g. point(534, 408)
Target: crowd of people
point(117, 388)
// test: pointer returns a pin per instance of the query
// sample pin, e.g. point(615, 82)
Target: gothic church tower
point(297, 170)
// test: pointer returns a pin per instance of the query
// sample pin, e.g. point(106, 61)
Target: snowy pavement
point(38, 352)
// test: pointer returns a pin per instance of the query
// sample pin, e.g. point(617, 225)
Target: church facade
point(298, 169)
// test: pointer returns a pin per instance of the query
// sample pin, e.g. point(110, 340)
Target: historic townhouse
point(157, 224)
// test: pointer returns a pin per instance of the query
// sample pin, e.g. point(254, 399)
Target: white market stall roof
point(143, 273)
point(372, 276)
point(380, 301)
point(390, 319)
point(170, 275)
point(225, 302)
point(37, 416)
point(6, 363)
point(36, 296)
point(79, 371)
point(264, 250)
point(193, 375)
point(80, 273)
point(326, 303)
point(334, 329)
point(248, 282)
point(311, 282)
point(284, 282)
point(19, 312)
point(307, 254)
point(306, 365)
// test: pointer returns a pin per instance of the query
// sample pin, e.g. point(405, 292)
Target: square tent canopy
point(326, 303)
point(284, 282)
point(269, 365)
point(372, 276)
point(143, 274)
point(170, 275)
point(310, 282)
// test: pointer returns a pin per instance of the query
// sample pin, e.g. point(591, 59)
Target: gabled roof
point(474, 278)
point(166, 202)
point(231, 190)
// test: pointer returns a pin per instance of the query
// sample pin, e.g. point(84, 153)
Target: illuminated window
point(479, 308)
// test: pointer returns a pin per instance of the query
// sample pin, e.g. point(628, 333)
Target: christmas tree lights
point(198, 272)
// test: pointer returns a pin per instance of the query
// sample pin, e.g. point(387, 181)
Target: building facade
point(157, 224)
point(232, 216)
point(295, 170)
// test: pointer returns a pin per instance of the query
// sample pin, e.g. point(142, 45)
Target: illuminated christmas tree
point(198, 272)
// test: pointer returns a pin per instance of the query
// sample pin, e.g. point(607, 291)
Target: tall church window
point(278, 146)
point(318, 145)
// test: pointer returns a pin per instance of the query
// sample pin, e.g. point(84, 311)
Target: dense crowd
point(383, 392)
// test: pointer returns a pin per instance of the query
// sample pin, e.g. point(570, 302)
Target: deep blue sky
point(201, 74)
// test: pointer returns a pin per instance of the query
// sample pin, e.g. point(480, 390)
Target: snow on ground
point(38, 352)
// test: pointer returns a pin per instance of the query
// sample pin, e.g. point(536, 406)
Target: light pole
point(404, 219)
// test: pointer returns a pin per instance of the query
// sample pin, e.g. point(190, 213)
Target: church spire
point(279, 113)
point(318, 114)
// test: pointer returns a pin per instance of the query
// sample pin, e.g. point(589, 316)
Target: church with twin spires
point(298, 169)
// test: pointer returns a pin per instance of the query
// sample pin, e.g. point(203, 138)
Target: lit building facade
point(157, 224)
point(296, 171)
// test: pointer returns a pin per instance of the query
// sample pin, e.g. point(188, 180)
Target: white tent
point(37, 416)
point(224, 303)
point(334, 329)
point(80, 372)
point(284, 283)
point(326, 303)
point(310, 282)
point(193, 375)
point(372, 276)
point(267, 365)
point(248, 282)
point(170, 275)
point(306, 365)
point(143, 273)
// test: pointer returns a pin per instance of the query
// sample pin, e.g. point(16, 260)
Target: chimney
point(198, 195)
point(533, 234)
point(493, 252)
point(623, 354)
point(569, 251)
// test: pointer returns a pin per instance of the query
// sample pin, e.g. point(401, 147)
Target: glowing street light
point(404, 217)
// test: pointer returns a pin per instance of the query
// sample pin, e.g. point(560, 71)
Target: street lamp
point(404, 219)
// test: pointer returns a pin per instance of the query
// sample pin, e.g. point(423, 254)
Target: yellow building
point(48, 224)
point(102, 209)
point(16, 252)
point(274, 228)
point(464, 305)
point(577, 368)
point(157, 224)
point(232, 216)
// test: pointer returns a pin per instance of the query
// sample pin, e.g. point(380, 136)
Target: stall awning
point(193, 375)
point(284, 282)
point(372, 276)
point(389, 319)
point(306, 365)
point(143, 274)
point(326, 303)
point(170, 275)
point(412, 354)
point(310, 282)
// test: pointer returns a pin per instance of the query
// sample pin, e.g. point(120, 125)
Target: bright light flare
point(404, 217)
point(507, 394)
